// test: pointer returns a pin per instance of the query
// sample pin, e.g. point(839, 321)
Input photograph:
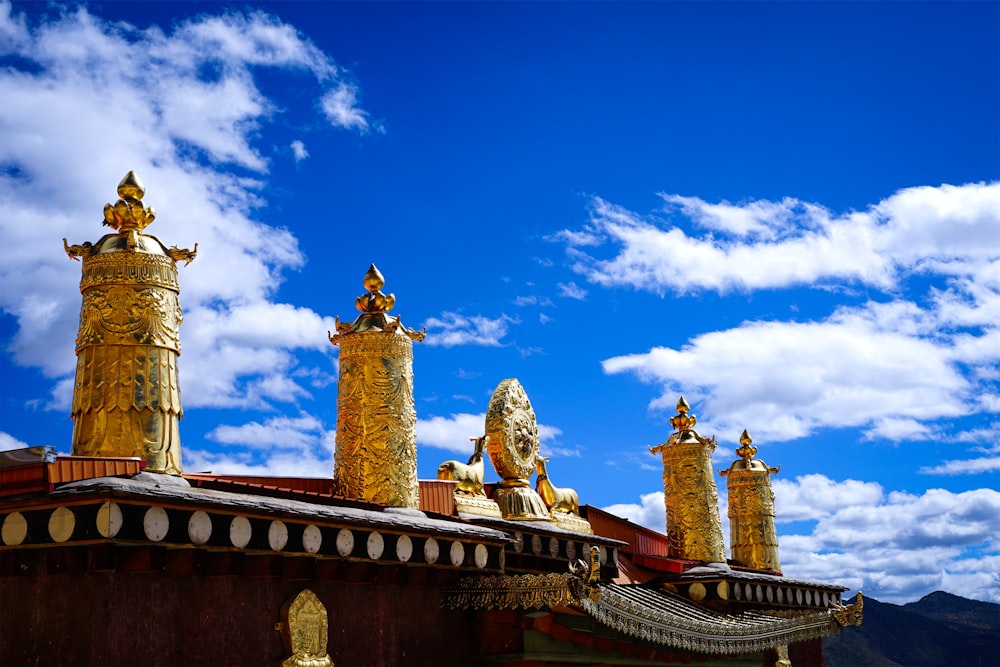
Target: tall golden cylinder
point(694, 526)
point(126, 398)
point(376, 456)
point(752, 536)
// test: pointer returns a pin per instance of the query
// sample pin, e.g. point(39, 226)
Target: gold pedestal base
point(521, 503)
point(572, 522)
point(478, 505)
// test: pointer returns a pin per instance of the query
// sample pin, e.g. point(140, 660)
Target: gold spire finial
point(747, 451)
point(128, 213)
point(683, 420)
point(375, 301)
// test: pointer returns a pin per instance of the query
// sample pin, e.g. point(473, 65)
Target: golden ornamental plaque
point(512, 431)
point(513, 447)
point(305, 631)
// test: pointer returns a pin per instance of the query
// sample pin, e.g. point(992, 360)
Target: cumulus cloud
point(451, 329)
point(8, 442)
point(281, 446)
point(86, 100)
point(761, 245)
point(453, 432)
point(896, 366)
point(299, 150)
point(571, 290)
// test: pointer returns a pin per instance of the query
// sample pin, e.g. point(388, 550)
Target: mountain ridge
point(939, 630)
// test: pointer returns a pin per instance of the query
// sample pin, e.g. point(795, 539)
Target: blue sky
point(788, 213)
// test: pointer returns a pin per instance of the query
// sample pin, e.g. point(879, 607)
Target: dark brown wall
point(114, 618)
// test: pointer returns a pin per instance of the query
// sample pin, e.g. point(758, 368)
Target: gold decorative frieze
point(694, 527)
point(513, 446)
point(529, 591)
point(305, 631)
point(126, 399)
point(753, 538)
point(376, 457)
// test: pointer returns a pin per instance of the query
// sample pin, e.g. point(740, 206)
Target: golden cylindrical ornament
point(694, 526)
point(376, 456)
point(126, 398)
point(752, 536)
point(376, 422)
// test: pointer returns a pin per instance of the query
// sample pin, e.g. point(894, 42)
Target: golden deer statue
point(555, 498)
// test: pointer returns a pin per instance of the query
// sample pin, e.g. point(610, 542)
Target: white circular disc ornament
point(345, 542)
point(482, 555)
point(457, 554)
point(109, 519)
point(199, 527)
point(404, 548)
point(240, 531)
point(155, 523)
point(312, 539)
point(375, 546)
point(277, 535)
point(431, 550)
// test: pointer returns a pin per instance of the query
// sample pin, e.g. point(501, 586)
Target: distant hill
point(939, 630)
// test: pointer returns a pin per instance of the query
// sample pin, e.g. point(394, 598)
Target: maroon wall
point(108, 618)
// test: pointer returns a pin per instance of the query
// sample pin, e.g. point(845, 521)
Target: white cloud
point(341, 108)
point(965, 466)
point(905, 546)
point(790, 243)
point(571, 290)
point(813, 497)
point(783, 380)
point(8, 442)
point(279, 447)
point(299, 150)
point(457, 329)
point(94, 99)
point(649, 511)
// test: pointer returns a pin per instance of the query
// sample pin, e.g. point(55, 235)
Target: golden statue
point(753, 539)
point(555, 498)
point(470, 492)
point(469, 477)
point(694, 528)
point(126, 399)
point(376, 455)
point(563, 503)
point(513, 446)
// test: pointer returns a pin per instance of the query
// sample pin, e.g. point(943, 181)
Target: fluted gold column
point(752, 537)
point(126, 398)
point(376, 457)
point(694, 528)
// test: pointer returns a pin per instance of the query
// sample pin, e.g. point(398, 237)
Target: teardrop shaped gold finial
point(131, 187)
point(746, 450)
point(683, 420)
point(374, 280)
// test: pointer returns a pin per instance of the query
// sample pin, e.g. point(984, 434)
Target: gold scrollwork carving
point(529, 591)
point(851, 614)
